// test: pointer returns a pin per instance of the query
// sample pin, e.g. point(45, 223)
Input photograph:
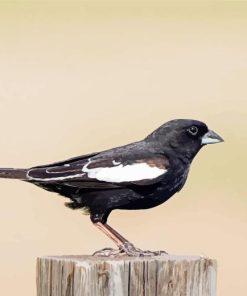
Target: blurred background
point(78, 77)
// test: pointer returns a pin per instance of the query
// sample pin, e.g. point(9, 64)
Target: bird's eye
point(193, 130)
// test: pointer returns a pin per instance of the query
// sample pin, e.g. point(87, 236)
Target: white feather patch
point(54, 178)
point(121, 173)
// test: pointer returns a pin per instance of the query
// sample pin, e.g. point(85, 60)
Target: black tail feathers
point(13, 173)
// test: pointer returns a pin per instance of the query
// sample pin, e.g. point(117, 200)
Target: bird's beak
point(211, 138)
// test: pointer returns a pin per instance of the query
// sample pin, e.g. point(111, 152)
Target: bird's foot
point(130, 250)
point(108, 252)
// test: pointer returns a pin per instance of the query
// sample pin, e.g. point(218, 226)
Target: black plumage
point(140, 175)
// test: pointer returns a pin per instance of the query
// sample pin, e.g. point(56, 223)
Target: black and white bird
point(139, 175)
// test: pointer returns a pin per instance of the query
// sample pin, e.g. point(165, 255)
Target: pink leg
point(125, 247)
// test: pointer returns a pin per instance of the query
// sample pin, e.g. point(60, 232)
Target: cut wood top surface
point(78, 258)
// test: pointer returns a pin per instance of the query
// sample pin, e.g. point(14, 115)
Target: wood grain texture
point(126, 276)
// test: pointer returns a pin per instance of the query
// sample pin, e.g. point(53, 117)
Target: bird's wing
point(106, 171)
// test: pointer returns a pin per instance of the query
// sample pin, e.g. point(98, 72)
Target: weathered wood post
point(126, 276)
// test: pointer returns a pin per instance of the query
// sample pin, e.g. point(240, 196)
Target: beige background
point(78, 77)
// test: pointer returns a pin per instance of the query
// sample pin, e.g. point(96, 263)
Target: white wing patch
point(121, 173)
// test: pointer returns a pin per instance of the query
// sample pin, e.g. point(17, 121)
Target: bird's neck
point(185, 155)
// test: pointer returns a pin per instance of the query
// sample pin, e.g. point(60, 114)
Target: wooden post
point(126, 276)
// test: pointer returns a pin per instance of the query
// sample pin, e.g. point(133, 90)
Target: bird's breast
point(176, 180)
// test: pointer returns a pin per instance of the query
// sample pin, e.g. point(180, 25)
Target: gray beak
point(211, 138)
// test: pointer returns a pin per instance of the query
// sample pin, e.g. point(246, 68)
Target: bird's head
point(185, 136)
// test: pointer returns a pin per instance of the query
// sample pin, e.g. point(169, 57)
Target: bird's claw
point(130, 250)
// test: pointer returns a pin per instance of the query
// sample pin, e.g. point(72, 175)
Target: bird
point(136, 176)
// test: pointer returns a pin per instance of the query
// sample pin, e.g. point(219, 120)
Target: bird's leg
point(125, 246)
point(114, 236)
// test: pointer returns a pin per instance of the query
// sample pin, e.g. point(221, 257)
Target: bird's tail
point(13, 173)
